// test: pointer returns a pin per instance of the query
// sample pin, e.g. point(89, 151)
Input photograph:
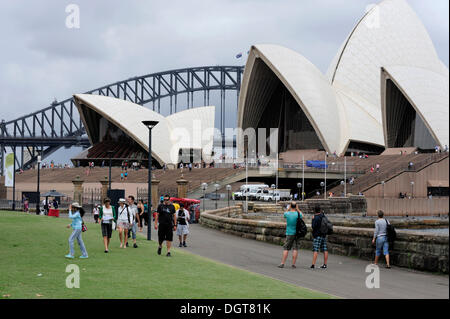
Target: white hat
point(75, 204)
point(122, 200)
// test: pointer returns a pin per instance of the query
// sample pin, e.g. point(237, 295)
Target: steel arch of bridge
point(59, 125)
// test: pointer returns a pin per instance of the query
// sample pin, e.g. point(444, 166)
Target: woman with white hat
point(123, 222)
point(77, 223)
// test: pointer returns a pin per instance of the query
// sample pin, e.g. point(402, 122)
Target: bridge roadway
point(345, 276)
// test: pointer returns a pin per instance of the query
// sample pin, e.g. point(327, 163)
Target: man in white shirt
point(183, 225)
point(134, 219)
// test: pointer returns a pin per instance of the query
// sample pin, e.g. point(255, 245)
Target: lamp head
point(150, 124)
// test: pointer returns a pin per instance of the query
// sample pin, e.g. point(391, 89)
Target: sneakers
point(83, 257)
point(388, 267)
point(106, 251)
point(180, 245)
point(159, 250)
point(293, 266)
point(168, 255)
point(184, 244)
point(69, 256)
point(281, 266)
point(135, 246)
point(312, 267)
point(323, 266)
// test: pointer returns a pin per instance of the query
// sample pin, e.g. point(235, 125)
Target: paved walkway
point(345, 276)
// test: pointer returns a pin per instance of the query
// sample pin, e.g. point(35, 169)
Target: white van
point(249, 191)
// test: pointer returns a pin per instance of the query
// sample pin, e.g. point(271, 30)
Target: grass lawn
point(33, 245)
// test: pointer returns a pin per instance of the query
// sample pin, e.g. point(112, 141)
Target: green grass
point(32, 245)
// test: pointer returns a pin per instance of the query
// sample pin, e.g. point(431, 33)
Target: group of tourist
point(129, 218)
point(320, 229)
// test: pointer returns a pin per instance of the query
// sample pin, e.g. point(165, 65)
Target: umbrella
point(53, 193)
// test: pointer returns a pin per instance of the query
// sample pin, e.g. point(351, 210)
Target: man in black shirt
point(166, 220)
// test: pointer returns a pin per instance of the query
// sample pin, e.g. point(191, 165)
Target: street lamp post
point(412, 189)
point(322, 184)
point(204, 186)
point(303, 178)
point(325, 177)
point(228, 191)
point(351, 185)
point(14, 181)
point(216, 186)
point(110, 153)
point(149, 125)
point(342, 184)
point(39, 159)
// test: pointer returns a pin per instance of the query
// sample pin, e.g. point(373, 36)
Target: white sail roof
point(128, 117)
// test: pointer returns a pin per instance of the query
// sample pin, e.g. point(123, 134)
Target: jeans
point(77, 234)
point(382, 244)
point(133, 231)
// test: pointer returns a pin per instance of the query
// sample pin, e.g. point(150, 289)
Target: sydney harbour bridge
point(59, 125)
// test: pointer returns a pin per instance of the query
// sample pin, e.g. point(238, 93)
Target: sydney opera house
point(385, 88)
point(115, 125)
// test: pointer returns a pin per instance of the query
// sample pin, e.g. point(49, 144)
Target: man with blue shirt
point(292, 242)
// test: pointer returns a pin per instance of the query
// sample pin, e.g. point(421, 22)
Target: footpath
point(345, 276)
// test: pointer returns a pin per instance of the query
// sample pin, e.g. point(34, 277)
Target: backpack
point(326, 228)
point(181, 220)
point(301, 228)
point(390, 232)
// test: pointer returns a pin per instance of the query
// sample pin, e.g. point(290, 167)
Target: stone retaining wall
point(353, 205)
point(421, 251)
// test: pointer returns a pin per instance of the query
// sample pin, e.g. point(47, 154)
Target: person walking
point(134, 217)
point(292, 241)
point(380, 239)
point(77, 224)
point(95, 211)
point(319, 238)
point(141, 213)
point(165, 223)
point(123, 222)
point(183, 225)
point(107, 215)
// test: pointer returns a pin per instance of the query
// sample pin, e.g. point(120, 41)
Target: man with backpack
point(383, 234)
point(183, 225)
point(321, 227)
point(166, 224)
point(292, 238)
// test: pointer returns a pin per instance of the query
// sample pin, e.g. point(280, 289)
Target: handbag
point(83, 227)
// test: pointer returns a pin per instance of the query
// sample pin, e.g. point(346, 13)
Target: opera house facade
point(385, 88)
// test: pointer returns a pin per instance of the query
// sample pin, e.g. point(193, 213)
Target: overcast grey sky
point(41, 59)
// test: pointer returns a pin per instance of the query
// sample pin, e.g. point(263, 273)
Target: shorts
point(292, 242)
point(320, 243)
point(382, 244)
point(165, 232)
point(182, 230)
point(124, 225)
point(106, 230)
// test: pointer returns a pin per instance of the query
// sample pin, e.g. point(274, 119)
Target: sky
point(41, 59)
